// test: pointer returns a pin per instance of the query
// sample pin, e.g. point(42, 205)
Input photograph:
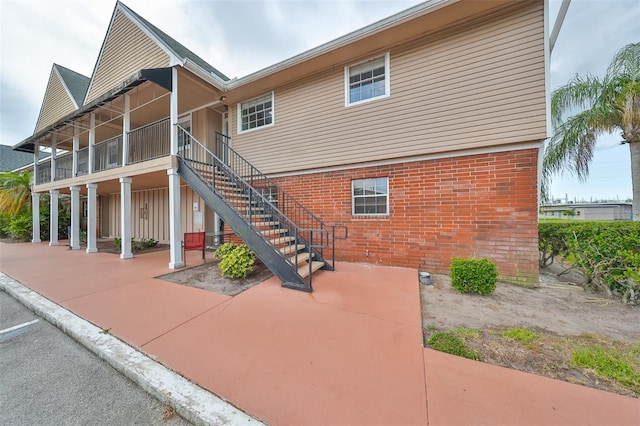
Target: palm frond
point(581, 92)
point(15, 191)
point(571, 148)
point(626, 62)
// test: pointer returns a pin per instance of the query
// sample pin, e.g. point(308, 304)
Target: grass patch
point(451, 344)
point(610, 363)
point(523, 335)
point(466, 333)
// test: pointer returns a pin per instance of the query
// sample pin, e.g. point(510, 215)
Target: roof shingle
point(76, 83)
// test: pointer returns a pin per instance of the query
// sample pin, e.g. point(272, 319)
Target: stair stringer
point(267, 253)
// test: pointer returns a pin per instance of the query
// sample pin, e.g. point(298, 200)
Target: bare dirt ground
point(562, 314)
point(208, 277)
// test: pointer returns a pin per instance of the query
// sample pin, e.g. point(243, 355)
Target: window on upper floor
point(255, 113)
point(367, 80)
point(370, 196)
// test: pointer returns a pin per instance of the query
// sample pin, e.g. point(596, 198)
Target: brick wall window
point(370, 196)
point(255, 113)
point(367, 80)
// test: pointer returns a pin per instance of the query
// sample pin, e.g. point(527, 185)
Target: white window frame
point(239, 113)
point(353, 197)
point(387, 81)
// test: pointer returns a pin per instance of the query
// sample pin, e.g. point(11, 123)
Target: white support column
point(92, 141)
point(53, 217)
point(125, 218)
point(173, 112)
point(126, 127)
point(54, 148)
point(74, 238)
point(92, 218)
point(76, 147)
point(35, 209)
point(175, 228)
point(36, 158)
point(216, 229)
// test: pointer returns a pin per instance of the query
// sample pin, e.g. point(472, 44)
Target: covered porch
point(118, 151)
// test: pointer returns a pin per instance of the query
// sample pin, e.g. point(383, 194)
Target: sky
point(242, 36)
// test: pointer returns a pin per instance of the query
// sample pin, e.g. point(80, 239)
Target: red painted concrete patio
point(348, 354)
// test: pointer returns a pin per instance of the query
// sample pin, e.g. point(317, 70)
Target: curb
point(192, 402)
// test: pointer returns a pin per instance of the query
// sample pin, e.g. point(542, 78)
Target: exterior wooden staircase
point(284, 235)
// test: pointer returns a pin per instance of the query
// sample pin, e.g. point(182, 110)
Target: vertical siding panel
point(165, 214)
point(114, 206)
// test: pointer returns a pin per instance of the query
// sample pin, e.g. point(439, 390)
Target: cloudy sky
point(242, 36)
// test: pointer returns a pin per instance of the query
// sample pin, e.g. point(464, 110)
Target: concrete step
point(264, 224)
point(282, 240)
point(291, 248)
point(302, 257)
point(304, 269)
point(275, 231)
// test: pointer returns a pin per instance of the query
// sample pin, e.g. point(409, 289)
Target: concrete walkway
point(348, 354)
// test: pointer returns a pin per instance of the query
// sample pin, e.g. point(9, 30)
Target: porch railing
point(149, 142)
point(145, 143)
point(107, 154)
point(64, 167)
point(43, 172)
point(83, 161)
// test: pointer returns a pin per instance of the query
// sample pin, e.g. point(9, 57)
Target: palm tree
point(607, 105)
point(15, 191)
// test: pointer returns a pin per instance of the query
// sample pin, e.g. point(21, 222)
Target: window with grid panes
point(368, 80)
point(370, 196)
point(256, 113)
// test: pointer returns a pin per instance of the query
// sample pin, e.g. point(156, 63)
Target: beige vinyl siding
point(477, 86)
point(150, 214)
point(56, 103)
point(126, 51)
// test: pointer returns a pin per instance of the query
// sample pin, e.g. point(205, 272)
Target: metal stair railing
point(289, 206)
point(255, 203)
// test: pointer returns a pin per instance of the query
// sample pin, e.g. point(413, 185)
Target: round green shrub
point(224, 250)
point(473, 275)
point(238, 263)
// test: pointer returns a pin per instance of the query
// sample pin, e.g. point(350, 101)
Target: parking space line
point(18, 327)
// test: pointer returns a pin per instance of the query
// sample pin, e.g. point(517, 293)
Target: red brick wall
point(480, 206)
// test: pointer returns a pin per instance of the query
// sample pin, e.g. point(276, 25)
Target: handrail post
point(310, 260)
point(333, 246)
point(250, 202)
point(295, 242)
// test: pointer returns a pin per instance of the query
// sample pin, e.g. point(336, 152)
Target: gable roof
point(76, 83)
point(11, 160)
point(61, 96)
point(166, 51)
point(177, 48)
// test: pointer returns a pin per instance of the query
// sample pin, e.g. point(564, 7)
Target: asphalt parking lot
point(46, 378)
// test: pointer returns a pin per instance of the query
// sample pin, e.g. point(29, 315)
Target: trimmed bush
point(147, 243)
point(448, 343)
point(608, 253)
point(238, 263)
point(224, 250)
point(473, 275)
point(17, 226)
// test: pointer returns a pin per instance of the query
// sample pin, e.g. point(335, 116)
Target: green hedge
point(473, 275)
point(608, 253)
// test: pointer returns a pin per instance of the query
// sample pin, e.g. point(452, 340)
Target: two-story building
point(418, 138)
